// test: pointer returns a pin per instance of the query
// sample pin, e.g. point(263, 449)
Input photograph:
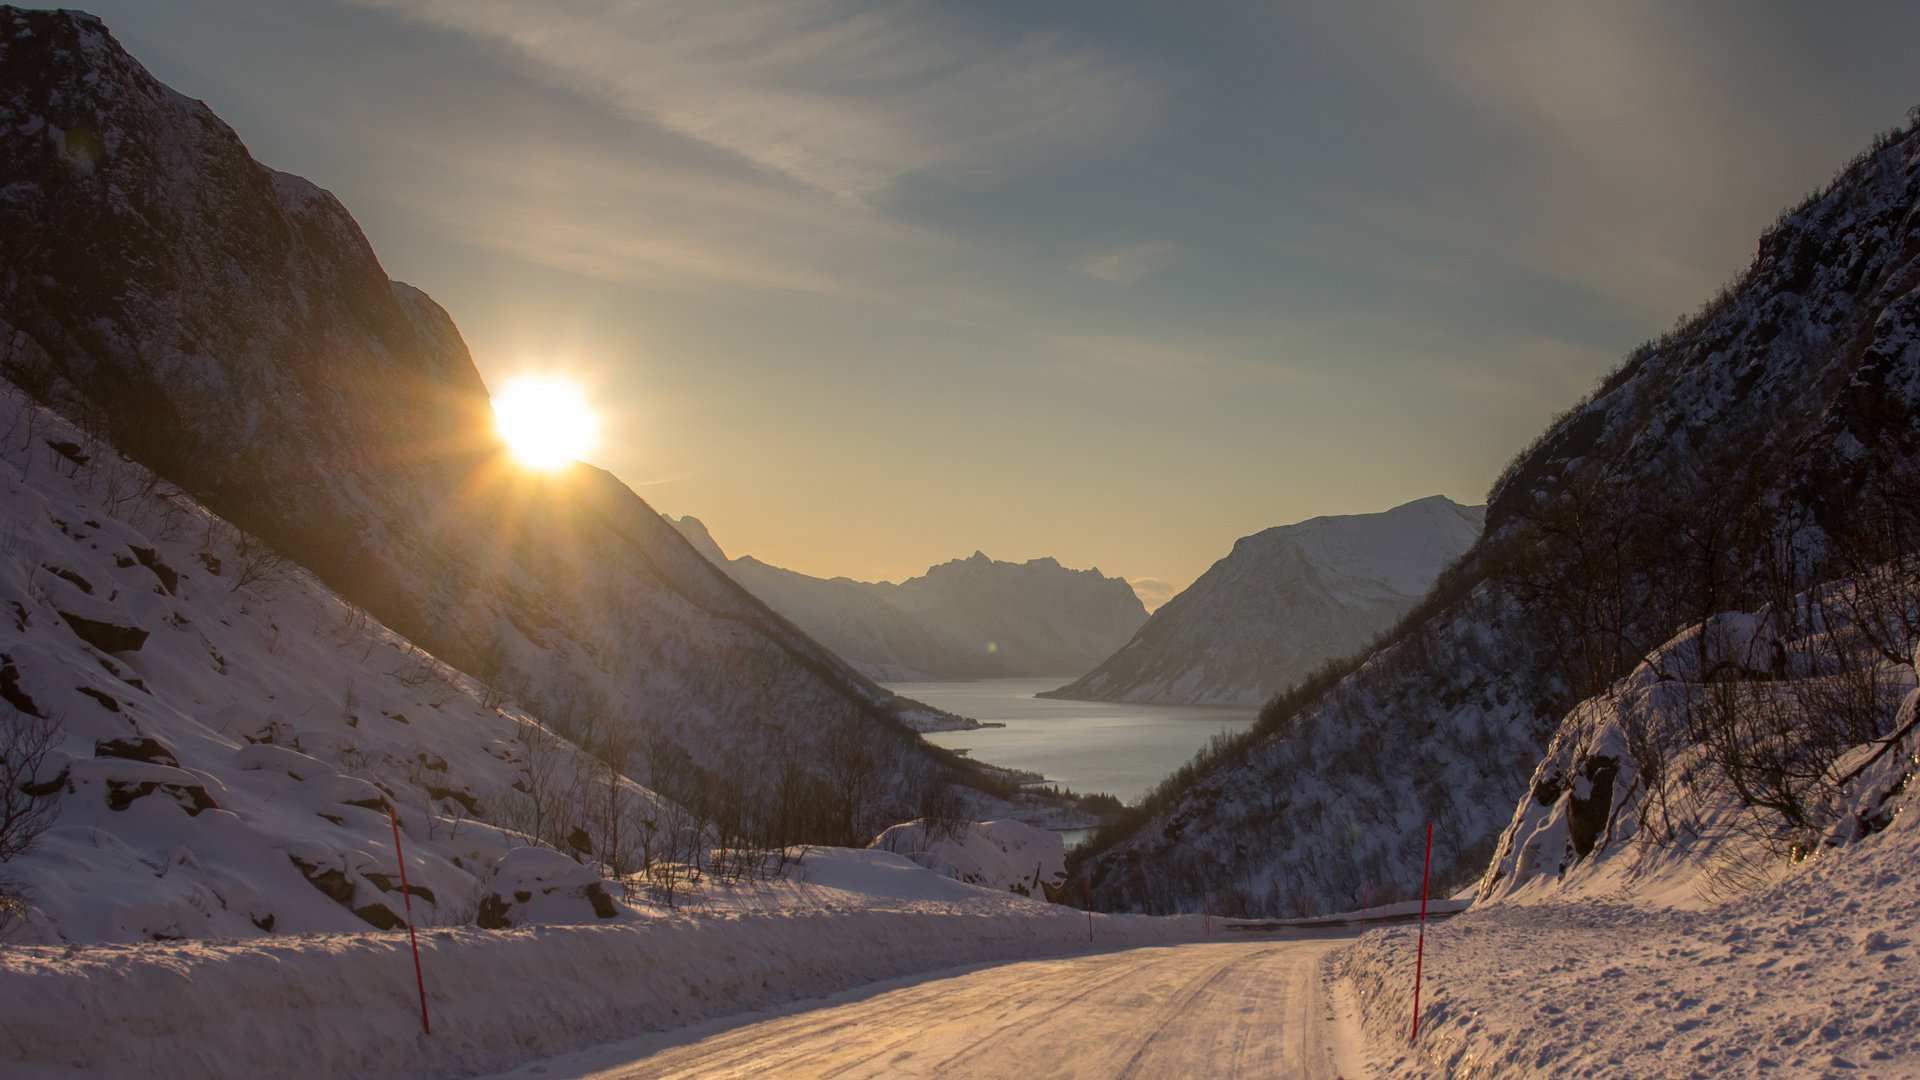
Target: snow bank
point(1816, 976)
point(344, 1005)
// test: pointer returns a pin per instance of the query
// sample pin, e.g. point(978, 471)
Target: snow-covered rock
point(539, 885)
point(1632, 798)
point(973, 618)
point(1282, 604)
point(998, 855)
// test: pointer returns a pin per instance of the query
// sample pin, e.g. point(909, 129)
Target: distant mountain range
point(1282, 603)
point(974, 618)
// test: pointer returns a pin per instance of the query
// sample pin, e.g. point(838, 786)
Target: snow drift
point(1000, 855)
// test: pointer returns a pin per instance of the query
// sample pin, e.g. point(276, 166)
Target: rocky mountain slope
point(1727, 465)
point(212, 738)
point(230, 327)
point(973, 618)
point(1282, 604)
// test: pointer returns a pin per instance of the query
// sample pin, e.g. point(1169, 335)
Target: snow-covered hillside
point(223, 734)
point(1766, 439)
point(1283, 603)
point(1640, 881)
point(973, 618)
point(229, 327)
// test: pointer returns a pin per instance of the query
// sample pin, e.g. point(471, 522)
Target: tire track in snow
point(1202, 1010)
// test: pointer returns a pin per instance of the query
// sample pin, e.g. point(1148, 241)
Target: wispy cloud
point(842, 96)
point(1127, 265)
point(569, 203)
point(1144, 367)
point(1595, 128)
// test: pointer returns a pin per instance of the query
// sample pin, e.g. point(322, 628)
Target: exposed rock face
point(974, 618)
point(1772, 421)
point(1283, 603)
point(230, 327)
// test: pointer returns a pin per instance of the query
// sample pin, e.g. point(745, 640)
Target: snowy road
point(1244, 1008)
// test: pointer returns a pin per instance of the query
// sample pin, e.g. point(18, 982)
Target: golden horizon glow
point(545, 420)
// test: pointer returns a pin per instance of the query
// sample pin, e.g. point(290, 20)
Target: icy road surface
point(1248, 1008)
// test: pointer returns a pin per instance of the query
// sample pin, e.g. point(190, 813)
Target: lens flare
point(545, 421)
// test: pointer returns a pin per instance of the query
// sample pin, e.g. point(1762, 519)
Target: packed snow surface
point(1245, 1009)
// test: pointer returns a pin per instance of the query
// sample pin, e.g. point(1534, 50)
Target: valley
point(351, 724)
point(1120, 750)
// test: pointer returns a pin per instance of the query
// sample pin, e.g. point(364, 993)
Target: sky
point(867, 286)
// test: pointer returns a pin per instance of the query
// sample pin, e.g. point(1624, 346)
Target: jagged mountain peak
point(968, 618)
point(696, 533)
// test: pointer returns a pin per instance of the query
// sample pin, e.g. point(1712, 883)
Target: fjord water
point(1088, 746)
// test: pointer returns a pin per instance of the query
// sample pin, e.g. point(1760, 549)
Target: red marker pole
point(1089, 885)
point(406, 897)
point(1420, 956)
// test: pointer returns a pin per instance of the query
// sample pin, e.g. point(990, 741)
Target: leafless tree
point(614, 804)
point(853, 765)
point(547, 797)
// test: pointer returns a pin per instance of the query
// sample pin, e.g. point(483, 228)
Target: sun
point(545, 420)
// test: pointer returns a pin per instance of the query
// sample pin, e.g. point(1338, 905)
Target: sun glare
point(545, 420)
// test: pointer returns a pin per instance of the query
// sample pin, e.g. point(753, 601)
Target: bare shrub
point(853, 776)
point(262, 568)
point(547, 796)
point(943, 810)
point(28, 800)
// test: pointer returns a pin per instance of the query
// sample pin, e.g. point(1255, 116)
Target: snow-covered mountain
point(973, 618)
point(1282, 604)
point(214, 737)
point(1723, 466)
point(230, 327)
